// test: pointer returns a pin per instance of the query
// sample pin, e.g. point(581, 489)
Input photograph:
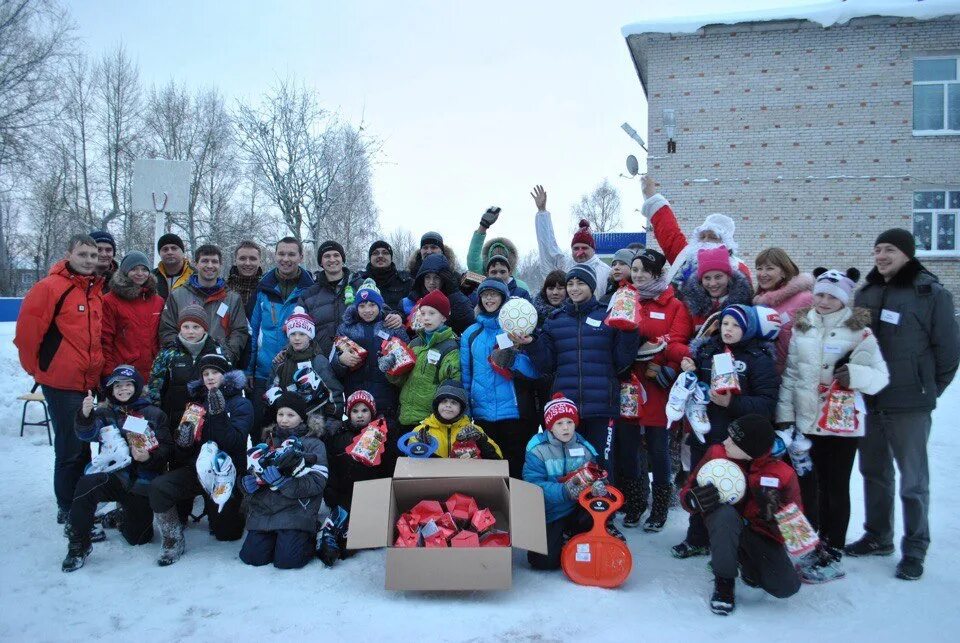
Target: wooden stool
point(34, 396)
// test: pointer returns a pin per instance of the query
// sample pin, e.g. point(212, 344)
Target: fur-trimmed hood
point(858, 320)
point(700, 304)
point(124, 288)
point(511, 249)
point(233, 384)
point(413, 264)
point(773, 298)
point(278, 435)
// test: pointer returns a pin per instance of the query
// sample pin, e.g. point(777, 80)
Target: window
point(935, 216)
point(936, 95)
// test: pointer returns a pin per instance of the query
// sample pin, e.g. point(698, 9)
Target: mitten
point(185, 432)
point(768, 499)
point(489, 217)
point(599, 489)
point(215, 402)
point(666, 377)
point(504, 358)
point(842, 375)
point(272, 476)
point(574, 486)
point(470, 432)
point(250, 483)
point(387, 362)
point(703, 499)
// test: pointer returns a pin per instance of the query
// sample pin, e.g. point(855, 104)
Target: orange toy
point(596, 558)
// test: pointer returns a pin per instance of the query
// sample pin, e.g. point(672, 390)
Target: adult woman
point(131, 317)
point(713, 286)
point(781, 286)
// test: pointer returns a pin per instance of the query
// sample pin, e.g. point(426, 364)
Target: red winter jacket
point(767, 467)
point(664, 317)
point(131, 322)
point(69, 356)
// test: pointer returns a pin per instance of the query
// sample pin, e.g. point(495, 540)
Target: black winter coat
point(344, 470)
point(393, 284)
point(228, 429)
point(368, 377)
point(325, 303)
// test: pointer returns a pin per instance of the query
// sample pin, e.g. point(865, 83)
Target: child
point(285, 489)
point(746, 535)
point(552, 455)
point(449, 424)
point(302, 368)
point(436, 276)
point(437, 351)
point(756, 373)
point(345, 470)
point(831, 342)
point(124, 467)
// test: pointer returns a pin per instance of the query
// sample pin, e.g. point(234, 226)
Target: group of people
point(252, 390)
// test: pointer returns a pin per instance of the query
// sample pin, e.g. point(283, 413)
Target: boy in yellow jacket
point(456, 434)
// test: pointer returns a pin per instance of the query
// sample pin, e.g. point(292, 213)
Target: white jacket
point(553, 258)
point(818, 342)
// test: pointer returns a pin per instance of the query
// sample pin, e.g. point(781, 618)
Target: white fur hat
point(722, 226)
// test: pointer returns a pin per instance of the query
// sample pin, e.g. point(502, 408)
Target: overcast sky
point(475, 102)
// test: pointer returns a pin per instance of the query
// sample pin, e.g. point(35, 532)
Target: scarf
point(653, 288)
point(382, 276)
point(289, 366)
point(193, 348)
point(206, 290)
point(246, 287)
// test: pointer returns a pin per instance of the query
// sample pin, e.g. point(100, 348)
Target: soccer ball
point(726, 476)
point(518, 316)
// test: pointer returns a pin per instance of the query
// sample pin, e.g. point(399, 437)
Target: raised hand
point(648, 185)
point(489, 217)
point(540, 198)
point(87, 406)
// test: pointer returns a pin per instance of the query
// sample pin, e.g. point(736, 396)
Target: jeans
point(71, 454)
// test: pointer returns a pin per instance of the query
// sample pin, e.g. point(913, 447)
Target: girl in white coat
point(830, 342)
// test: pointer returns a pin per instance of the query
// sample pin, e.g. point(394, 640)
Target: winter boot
point(635, 503)
point(613, 531)
point(331, 537)
point(686, 550)
point(723, 602)
point(77, 551)
point(910, 568)
point(62, 515)
point(114, 452)
point(171, 529)
point(97, 534)
point(112, 519)
point(868, 546)
point(661, 504)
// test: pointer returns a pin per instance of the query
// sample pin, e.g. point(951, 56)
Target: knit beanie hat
point(132, 260)
point(722, 226)
point(709, 259)
point(624, 255)
point(450, 390)
point(768, 323)
point(438, 300)
point(102, 236)
point(431, 238)
point(376, 245)
point(300, 321)
point(330, 245)
point(584, 273)
point(215, 361)
point(653, 261)
point(836, 283)
point(496, 259)
point(746, 318)
point(368, 291)
point(362, 397)
point(753, 433)
point(125, 373)
point(294, 402)
point(899, 238)
point(559, 407)
point(194, 313)
point(168, 239)
point(583, 235)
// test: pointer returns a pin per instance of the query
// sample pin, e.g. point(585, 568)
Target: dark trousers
point(630, 455)
point(599, 433)
point(136, 524)
point(900, 438)
point(262, 414)
point(512, 437)
point(168, 490)
point(285, 548)
point(833, 462)
point(697, 533)
point(658, 453)
point(71, 454)
point(764, 560)
point(558, 532)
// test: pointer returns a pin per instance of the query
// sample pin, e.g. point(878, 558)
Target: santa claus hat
point(722, 226)
point(583, 235)
point(559, 407)
point(300, 321)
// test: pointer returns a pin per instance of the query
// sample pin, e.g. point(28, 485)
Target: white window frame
point(946, 85)
point(934, 218)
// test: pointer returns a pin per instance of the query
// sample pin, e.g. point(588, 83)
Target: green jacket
point(478, 251)
point(420, 385)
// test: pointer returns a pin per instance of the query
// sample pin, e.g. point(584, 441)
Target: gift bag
point(139, 434)
point(586, 475)
point(723, 377)
point(624, 310)
point(369, 444)
point(345, 344)
point(843, 410)
point(414, 321)
point(632, 397)
point(193, 420)
point(406, 359)
point(799, 536)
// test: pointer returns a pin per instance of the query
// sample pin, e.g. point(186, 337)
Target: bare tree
point(404, 244)
point(600, 207)
point(75, 140)
point(530, 270)
point(49, 211)
point(11, 246)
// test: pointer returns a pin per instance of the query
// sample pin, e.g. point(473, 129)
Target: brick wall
point(794, 100)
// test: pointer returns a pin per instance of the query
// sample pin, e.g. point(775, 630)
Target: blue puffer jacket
point(586, 355)
point(492, 396)
point(368, 377)
point(548, 460)
point(270, 313)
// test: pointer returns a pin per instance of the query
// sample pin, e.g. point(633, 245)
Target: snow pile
point(121, 594)
point(826, 14)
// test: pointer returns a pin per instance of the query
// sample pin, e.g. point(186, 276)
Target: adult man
point(227, 318)
point(432, 243)
point(583, 248)
point(58, 338)
point(913, 320)
point(173, 270)
point(106, 251)
point(393, 284)
point(245, 274)
point(331, 293)
point(498, 267)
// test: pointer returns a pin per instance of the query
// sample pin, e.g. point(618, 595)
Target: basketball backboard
point(152, 178)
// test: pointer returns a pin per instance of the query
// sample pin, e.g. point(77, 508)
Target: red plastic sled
point(596, 558)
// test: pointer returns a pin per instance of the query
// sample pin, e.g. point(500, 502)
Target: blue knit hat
point(746, 318)
point(102, 236)
point(368, 291)
point(584, 273)
point(496, 285)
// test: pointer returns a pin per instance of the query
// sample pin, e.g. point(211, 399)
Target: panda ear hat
point(853, 275)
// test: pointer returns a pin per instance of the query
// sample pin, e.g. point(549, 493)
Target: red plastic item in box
point(465, 539)
point(495, 538)
point(426, 510)
point(407, 527)
point(461, 506)
point(432, 535)
point(409, 541)
point(447, 525)
point(483, 520)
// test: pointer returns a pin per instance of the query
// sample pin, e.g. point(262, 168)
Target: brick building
point(814, 129)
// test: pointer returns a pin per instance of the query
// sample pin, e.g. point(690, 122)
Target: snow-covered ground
point(121, 594)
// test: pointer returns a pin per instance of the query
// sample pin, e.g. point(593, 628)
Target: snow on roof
point(834, 12)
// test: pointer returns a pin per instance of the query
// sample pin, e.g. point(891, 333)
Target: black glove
point(842, 375)
point(289, 461)
point(666, 377)
point(489, 217)
point(471, 432)
point(386, 362)
point(215, 402)
point(704, 499)
point(504, 358)
point(768, 499)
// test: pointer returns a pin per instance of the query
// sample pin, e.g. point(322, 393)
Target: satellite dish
point(632, 166)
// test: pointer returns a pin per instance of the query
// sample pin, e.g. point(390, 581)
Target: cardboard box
point(517, 506)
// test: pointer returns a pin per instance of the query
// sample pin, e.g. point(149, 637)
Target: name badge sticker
point(222, 310)
point(890, 317)
point(656, 315)
point(832, 349)
point(766, 481)
point(382, 334)
point(577, 452)
point(593, 322)
point(433, 356)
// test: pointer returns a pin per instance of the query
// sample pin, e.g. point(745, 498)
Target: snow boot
point(62, 515)
point(635, 503)
point(723, 601)
point(868, 546)
point(910, 568)
point(661, 504)
point(114, 452)
point(686, 550)
point(172, 545)
point(112, 519)
point(97, 534)
point(613, 531)
point(77, 550)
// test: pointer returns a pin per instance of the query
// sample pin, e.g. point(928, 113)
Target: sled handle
point(601, 507)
